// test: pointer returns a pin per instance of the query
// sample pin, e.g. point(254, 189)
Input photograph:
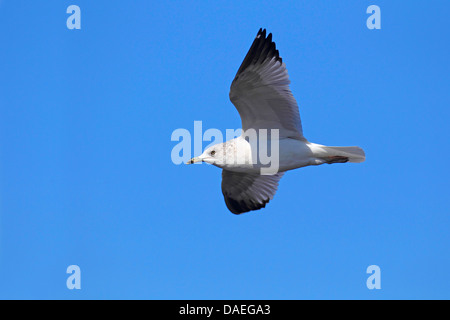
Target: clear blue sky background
point(86, 175)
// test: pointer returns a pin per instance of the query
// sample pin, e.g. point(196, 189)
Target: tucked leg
point(336, 159)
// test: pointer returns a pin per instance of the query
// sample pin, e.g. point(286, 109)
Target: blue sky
point(86, 176)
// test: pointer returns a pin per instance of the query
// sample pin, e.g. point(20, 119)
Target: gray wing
point(260, 91)
point(245, 192)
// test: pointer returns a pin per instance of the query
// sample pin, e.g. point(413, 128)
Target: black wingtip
point(261, 32)
point(239, 207)
point(262, 48)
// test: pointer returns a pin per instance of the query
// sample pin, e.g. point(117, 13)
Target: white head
point(235, 153)
point(215, 155)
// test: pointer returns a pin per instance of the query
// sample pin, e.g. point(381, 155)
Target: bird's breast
point(280, 155)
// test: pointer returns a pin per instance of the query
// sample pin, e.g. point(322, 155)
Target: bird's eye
point(213, 152)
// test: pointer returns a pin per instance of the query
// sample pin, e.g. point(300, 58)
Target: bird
point(261, 94)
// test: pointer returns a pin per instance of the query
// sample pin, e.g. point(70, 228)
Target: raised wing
point(245, 192)
point(260, 91)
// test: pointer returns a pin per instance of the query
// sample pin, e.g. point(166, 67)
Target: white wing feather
point(244, 192)
point(260, 91)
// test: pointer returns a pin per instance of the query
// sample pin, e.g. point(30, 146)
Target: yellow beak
point(194, 160)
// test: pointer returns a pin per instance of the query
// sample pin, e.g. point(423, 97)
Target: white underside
point(242, 156)
point(292, 154)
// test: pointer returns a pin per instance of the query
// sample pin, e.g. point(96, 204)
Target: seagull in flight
point(261, 94)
